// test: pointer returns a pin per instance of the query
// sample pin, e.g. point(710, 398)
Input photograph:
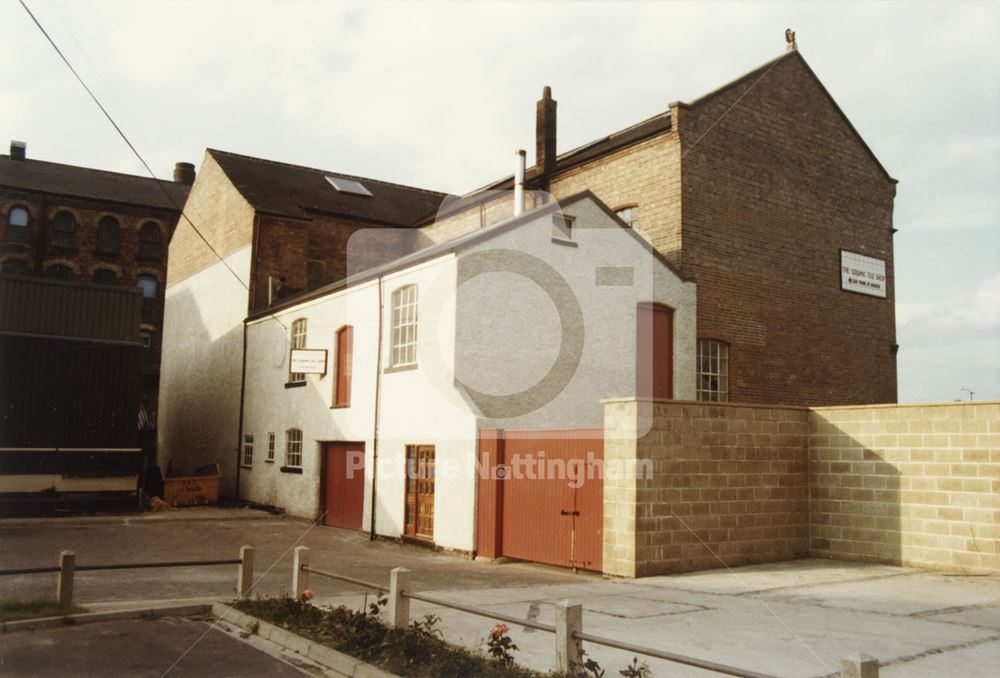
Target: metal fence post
point(399, 605)
point(569, 650)
point(245, 581)
point(858, 666)
point(300, 578)
point(64, 585)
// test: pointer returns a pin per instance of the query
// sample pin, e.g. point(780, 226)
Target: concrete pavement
point(788, 619)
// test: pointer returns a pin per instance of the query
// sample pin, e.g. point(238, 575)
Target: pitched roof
point(461, 242)
point(639, 132)
point(763, 69)
point(295, 191)
point(85, 182)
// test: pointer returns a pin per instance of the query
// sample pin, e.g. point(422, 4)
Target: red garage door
point(344, 484)
point(549, 506)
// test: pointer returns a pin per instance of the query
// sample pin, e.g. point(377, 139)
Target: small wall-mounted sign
point(308, 361)
point(862, 274)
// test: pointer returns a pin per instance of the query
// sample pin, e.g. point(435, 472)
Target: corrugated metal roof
point(66, 309)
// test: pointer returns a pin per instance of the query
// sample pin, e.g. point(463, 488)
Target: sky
point(439, 95)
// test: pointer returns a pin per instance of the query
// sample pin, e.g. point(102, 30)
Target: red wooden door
point(553, 509)
point(344, 485)
point(419, 508)
point(654, 351)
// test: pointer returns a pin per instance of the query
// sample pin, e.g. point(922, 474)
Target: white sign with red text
point(862, 274)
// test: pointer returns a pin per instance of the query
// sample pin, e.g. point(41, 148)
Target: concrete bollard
point(300, 578)
point(64, 585)
point(569, 650)
point(858, 666)
point(245, 581)
point(399, 605)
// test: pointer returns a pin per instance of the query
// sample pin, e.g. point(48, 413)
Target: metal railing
point(67, 568)
point(568, 628)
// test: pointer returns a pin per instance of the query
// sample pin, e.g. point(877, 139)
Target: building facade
point(81, 224)
point(761, 192)
point(410, 368)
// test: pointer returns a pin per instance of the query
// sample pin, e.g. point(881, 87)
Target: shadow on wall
point(199, 393)
point(855, 503)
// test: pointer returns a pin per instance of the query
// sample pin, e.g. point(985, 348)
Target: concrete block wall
point(728, 485)
point(912, 485)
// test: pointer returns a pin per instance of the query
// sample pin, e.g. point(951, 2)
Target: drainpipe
point(243, 388)
point(378, 403)
point(519, 183)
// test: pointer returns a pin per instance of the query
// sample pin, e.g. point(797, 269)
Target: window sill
point(340, 407)
point(246, 466)
point(291, 469)
point(296, 384)
point(269, 461)
point(565, 242)
point(399, 368)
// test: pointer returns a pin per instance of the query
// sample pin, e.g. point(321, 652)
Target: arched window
point(107, 236)
point(345, 356)
point(299, 329)
point(64, 231)
point(629, 214)
point(15, 267)
point(713, 370)
point(149, 242)
point(17, 225)
point(105, 276)
point(149, 286)
point(58, 272)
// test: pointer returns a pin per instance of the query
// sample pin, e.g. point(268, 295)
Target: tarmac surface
point(787, 619)
point(165, 647)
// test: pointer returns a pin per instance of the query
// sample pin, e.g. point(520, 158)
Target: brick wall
point(915, 485)
point(647, 175)
point(773, 188)
point(222, 216)
point(728, 484)
point(909, 484)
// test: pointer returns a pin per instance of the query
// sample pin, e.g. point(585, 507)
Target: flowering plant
point(501, 646)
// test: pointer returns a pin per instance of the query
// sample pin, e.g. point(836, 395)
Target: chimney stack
point(184, 173)
point(519, 183)
point(18, 150)
point(545, 133)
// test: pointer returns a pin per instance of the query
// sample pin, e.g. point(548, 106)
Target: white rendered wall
point(200, 368)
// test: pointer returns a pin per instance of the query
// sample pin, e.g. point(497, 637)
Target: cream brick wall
point(909, 484)
point(728, 486)
point(915, 485)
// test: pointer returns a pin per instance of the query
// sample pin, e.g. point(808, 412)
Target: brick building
point(758, 203)
point(761, 192)
point(87, 225)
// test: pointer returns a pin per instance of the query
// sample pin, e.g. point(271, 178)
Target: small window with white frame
point(270, 449)
point(299, 330)
point(293, 448)
point(403, 346)
point(713, 370)
point(247, 450)
point(629, 214)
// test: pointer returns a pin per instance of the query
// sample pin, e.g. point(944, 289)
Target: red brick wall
point(771, 193)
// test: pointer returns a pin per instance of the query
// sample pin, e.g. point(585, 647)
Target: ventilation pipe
point(519, 183)
point(18, 150)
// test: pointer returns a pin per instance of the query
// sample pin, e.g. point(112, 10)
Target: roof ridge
point(324, 171)
point(95, 169)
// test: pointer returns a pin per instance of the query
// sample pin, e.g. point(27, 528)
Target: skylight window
point(348, 186)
